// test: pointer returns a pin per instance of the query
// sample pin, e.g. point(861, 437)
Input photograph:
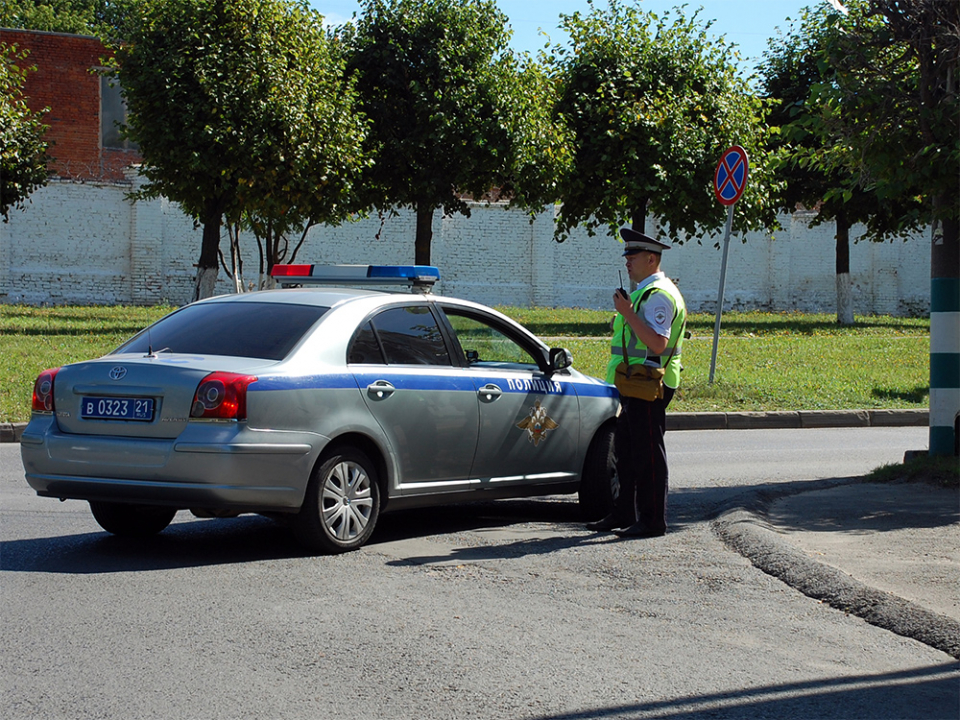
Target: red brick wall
point(63, 82)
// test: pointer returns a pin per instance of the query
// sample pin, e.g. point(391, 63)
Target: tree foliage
point(888, 103)
point(67, 16)
point(23, 150)
point(651, 103)
point(793, 75)
point(812, 163)
point(540, 144)
point(240, 110)
point(80, 17)
point(444, 98)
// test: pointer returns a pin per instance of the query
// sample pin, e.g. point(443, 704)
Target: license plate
point(116, 408)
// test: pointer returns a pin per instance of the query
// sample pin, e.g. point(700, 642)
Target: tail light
point(43, 391)
point(223, 396)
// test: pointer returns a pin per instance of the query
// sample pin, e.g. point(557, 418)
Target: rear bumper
point(210, 465)
point(174, 494)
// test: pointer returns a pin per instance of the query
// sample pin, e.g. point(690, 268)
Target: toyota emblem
point(116, 373)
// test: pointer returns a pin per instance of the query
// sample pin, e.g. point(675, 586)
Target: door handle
point(489, 392)
point(380, 389)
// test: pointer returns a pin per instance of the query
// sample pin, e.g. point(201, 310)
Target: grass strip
point(765, 361)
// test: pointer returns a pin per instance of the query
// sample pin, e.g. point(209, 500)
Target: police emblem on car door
point(537, 424)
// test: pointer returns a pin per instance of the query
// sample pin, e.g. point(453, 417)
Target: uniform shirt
point(657, 310)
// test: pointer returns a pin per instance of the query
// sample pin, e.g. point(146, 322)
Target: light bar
point(414, 275)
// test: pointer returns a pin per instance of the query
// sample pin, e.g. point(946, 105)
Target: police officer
point(649, 325)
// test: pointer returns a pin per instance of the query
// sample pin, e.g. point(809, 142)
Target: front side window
point(485, 344)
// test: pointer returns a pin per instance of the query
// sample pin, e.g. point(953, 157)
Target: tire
point(342, 503)
point(599, 485)
point(132, 520)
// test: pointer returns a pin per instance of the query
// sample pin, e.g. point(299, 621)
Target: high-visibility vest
point(637, 352)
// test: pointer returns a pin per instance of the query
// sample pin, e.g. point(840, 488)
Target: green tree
point(541, 145)
point(240, 111)
point(23, 150)
point(309, 153)
point(437, 81)
point(893, 110)
point(652, 103)
point(891, 103)
point(792, 71)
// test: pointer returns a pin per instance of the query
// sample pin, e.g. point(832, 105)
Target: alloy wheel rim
point(346, 501)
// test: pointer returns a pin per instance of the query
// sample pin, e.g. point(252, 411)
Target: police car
point(321, 406)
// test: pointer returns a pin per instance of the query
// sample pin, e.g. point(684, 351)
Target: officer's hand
point(622, 303)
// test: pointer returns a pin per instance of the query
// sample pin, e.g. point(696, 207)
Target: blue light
point(407, 272)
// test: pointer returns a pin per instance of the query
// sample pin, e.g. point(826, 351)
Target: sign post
point(729, 181)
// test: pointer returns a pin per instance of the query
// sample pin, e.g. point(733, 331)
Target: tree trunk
point(424, 234)
point(639, 216)
point(236, 259)
point(844, 290)
point(638, 221)
point(209, 265)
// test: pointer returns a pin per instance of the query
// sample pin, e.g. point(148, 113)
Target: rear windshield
point(238, 329)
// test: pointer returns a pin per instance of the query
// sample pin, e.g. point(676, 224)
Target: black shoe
point(639, 530)
point(608, 523)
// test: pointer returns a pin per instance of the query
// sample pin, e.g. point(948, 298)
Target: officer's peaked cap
point(634, 242)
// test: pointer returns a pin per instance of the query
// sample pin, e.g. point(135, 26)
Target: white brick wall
point(87, 244)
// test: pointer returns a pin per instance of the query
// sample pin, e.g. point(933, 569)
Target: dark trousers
point(642, 461)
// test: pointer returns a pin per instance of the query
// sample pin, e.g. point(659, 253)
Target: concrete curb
point(746, 531)
point(796, 419)
point(11, 432)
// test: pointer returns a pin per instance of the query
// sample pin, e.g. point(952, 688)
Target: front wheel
point(131, 520)
point(342, 503)
point(599, 485)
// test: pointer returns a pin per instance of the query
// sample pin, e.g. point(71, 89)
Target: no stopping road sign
point(730, 178)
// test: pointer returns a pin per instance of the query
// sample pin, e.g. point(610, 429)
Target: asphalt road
point(498, 610)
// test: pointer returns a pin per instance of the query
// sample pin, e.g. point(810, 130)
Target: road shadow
point(867, 507)
point(250, 538)
point(928, 692)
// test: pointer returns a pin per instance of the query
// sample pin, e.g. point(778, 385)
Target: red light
point(222, 395)
point(291, 271)
point(43, 391)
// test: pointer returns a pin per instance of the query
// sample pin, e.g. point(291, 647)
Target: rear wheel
point(599, 485)
point(132, 520)
point(342, 503)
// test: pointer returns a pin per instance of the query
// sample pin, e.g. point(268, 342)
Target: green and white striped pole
point(944, 343)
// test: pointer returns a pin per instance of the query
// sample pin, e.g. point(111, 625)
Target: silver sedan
point(323, 408)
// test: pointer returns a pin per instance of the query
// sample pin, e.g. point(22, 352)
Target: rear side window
point(365, 348)
point(407, 336)
point(268, 331)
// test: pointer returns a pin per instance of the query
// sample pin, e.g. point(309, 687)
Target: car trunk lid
point(135, 395)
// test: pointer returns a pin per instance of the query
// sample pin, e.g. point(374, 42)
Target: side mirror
point(560, 358)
